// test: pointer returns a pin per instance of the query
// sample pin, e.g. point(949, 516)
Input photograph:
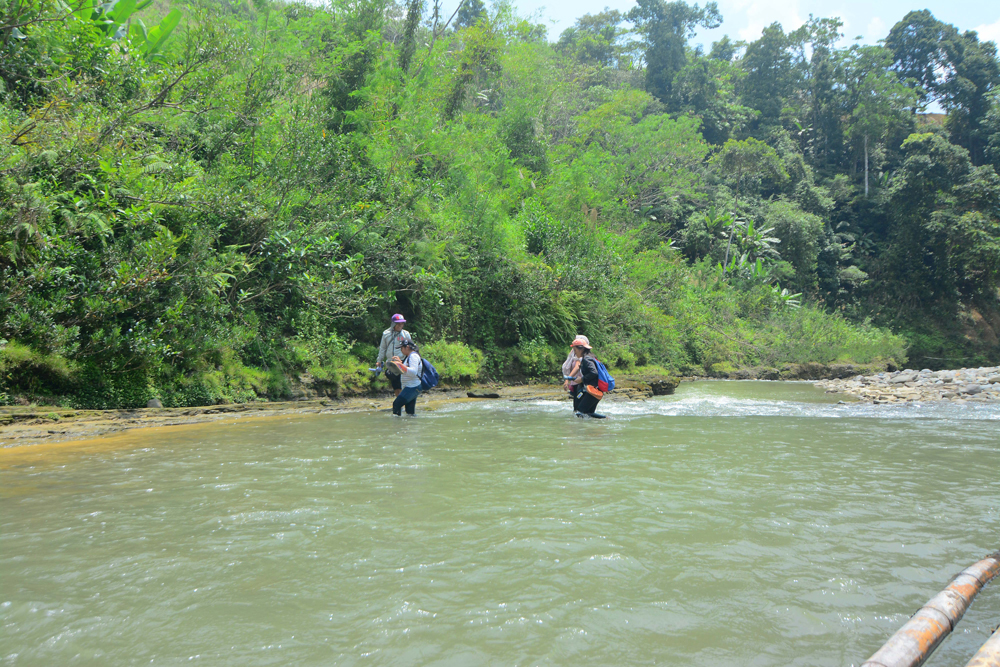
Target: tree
point(414, 10)
point(706, 88)
point(917, 43)
point(966, 93)
point(469, 13)
point(746, 161)
point(876, 99)
point(666, 27)
point(595, 39)
point(770, 70)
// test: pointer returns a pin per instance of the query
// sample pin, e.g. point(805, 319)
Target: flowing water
point(735, 523)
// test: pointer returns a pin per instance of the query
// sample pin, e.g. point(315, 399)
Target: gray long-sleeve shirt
point(390, 346)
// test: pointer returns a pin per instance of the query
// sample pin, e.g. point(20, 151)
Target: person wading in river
point(588, 395)
point(571, 372)
point(391, 346)
point(409, 366)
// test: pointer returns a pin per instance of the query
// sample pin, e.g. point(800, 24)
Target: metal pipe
point(989, 654)
point(914, 642)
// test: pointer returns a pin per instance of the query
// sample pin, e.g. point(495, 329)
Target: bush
point(457, 363)
point(101, 389)
point(537, 358)
point(24, 370)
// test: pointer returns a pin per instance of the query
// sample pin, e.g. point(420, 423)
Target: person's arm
point(404, 369)
point(589, 370)
point(383, 344)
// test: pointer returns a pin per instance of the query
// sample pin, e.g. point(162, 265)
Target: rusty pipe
point(989, 654)
point(914, 642)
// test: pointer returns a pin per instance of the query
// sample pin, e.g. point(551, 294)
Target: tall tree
point(876, 100)
point(595, 38)
point(414, 10)
point(469, 13)
point(974, 75)
point(918, 44)
point(771, 74)
point(665, 28)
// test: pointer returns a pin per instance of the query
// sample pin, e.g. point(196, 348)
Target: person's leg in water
point(411, 405)
point(407, 398)
point(574, 392)
point(587, 404)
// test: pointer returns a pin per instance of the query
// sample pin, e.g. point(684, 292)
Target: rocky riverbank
point(980, 385)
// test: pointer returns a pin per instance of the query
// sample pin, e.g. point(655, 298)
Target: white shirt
point(411, 378)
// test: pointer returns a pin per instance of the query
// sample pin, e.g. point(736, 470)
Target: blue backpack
point(604, 380)
point(428, 375)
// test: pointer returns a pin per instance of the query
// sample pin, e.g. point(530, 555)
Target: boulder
point(993, 379)
point(972, 389)
point(154, 403)
point(664, 386)
point(906, 376)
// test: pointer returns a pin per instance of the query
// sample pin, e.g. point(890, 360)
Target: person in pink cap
point(571, 372)
point(392, 346)
point(587, 394)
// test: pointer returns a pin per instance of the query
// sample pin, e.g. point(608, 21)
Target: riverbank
point(980, 385)
point(28, 425)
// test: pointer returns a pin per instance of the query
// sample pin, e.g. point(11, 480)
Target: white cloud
point(989, 32)
point(762, 13)
point(876, 30)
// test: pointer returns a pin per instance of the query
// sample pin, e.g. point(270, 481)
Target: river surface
point(735, 523)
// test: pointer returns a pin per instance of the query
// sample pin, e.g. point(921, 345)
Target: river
point(734, 523)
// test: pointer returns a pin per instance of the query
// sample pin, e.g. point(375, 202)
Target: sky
point(744, 19)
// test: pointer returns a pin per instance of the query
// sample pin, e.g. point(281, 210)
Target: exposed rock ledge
point(980, 385)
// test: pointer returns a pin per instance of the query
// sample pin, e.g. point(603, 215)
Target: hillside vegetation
point(206, 203)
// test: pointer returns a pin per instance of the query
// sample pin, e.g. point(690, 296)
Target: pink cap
point(397, 318)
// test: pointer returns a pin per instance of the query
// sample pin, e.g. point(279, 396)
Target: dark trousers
point(584, 403)
point(395, 380)
point(408, 399)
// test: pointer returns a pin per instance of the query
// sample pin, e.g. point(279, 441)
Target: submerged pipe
point(989, 654)
point(914, 642)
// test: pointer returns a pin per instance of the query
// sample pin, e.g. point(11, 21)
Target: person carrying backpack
point(410, 369)
point(389, 347)
point(587, 393)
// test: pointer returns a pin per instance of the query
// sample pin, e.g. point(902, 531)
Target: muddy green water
point(732, 524)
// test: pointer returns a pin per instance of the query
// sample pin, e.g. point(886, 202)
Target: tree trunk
point(732, 227)
point(866, 165)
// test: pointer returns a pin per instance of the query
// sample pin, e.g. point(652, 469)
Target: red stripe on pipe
point(914, 642)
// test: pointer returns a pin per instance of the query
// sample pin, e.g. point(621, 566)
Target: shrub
point(537, 358)
point(457, 363)
point(24, 370)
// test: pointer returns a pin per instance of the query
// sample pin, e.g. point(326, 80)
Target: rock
point(993, 379)
point(972, 389)
point(154, 403)
point(472, 394)
point(907, 376)
point(664, 387)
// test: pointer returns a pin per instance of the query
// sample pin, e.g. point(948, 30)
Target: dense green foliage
point(234, 200)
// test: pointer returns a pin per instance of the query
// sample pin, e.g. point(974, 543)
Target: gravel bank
point(980, 385)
